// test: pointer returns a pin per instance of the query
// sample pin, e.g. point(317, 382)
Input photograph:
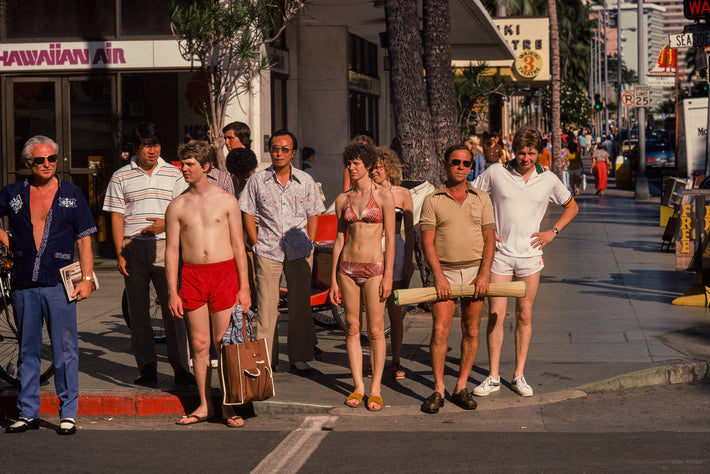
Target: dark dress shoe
point(184, 378)
point(22, 425)
point(147, 378)
point(67, 426)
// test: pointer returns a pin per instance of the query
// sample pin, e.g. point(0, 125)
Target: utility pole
point(618, 73)
point(606, 73)
point(642, 193)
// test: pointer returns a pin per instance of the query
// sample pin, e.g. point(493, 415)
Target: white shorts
point(461, 276)
point(517, 266)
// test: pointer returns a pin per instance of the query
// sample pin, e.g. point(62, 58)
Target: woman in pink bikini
point(361, 269)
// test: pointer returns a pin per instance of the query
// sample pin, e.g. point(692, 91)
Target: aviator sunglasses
point(39, 160)
point(456, 162)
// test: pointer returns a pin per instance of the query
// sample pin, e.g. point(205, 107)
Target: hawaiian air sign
point(696, 9)
point(83, 56)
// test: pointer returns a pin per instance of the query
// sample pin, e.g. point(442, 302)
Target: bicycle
point(9, 342)
point(156, 314)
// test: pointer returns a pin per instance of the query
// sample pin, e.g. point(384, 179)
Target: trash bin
point(623, 172)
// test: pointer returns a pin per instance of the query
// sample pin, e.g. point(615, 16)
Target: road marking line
point(293, 452)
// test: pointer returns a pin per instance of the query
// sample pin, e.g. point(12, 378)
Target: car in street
point(659, 155)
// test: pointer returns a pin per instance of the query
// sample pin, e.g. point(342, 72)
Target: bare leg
point(396, 323)
point(496, 318)
point(375, 311)
point(442, 313)
point(220, 323)
point(523, 322)
point(470, 322)
point(198, 322)
point(351, 304)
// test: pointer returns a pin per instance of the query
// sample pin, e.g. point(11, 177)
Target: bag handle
point(246, 319)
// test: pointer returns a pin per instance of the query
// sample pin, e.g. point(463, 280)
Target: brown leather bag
point(245, 370)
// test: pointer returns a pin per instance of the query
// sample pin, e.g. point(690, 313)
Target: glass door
point(79, 114)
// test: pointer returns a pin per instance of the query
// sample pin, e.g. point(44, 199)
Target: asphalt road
point(640, 430)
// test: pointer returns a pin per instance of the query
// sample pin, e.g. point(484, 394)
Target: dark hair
point(364, 139)
point(200, 150)
point(146, 133)
point(196, 133)
point(449, 151)
point(283, 132)
point(366, 153)
point(527, 137)
point(307, 152)
point(572, 147)
point(241, 131)
point(241, 162)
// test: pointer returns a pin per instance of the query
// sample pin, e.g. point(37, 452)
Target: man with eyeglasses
point(137, 197)
point(47, 218)
point(521, 191)
point(287, 202)
point(458, 236)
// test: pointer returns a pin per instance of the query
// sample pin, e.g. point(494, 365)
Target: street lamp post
point(618, 72)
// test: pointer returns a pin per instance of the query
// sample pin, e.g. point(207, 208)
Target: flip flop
point(354, 396)
point(376, 400)
point(398, 372)
point(198, 419)
point(233, 421)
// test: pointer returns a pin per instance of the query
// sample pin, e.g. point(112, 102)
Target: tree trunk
point(555, 85)
point(441, 94)
point(411, 114)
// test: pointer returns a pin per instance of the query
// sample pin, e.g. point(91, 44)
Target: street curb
point(692, 371)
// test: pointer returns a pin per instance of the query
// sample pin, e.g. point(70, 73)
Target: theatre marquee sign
point(84, 56)
point(529, 38)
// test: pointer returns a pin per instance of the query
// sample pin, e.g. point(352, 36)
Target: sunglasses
point(39, 160)
point(284, 149)
point(466, 163)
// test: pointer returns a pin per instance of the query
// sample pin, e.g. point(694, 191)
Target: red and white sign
point(627, 99)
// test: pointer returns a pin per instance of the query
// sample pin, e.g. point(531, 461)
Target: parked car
point(659, 154)
point(627, 145)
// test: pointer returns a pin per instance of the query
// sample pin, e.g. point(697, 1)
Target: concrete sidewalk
point(603, 320)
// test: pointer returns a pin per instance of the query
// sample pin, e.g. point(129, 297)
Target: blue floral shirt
point(69, 219)
point(283, 213)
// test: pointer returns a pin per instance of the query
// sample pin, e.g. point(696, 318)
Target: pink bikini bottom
point(361, 272)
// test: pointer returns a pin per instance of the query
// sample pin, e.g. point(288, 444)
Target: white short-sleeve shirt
point(519, 206)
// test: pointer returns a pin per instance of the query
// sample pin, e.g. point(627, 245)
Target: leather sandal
point(433, 403)
point(464, 399)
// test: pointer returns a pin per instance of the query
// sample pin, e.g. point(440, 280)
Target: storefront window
point(147, 17)
point(37, 19)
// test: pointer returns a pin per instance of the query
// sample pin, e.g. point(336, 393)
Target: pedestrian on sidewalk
point(362, 267)
point(47, 217)
point(387, 173)
point(458, 236)
point(601, 166)
point(287, 202)
point(520, 192)
point(137, 197)
point(206, 223)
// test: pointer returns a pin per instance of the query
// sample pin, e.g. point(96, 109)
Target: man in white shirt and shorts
point(520, 191)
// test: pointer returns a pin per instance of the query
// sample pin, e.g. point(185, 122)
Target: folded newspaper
point(71, 277)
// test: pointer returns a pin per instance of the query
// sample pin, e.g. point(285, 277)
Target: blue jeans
point(31, 306)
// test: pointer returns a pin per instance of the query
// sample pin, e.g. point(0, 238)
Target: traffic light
point(597, 103)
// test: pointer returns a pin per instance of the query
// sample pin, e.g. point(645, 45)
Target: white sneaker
point(488, 386)
point(521, 387)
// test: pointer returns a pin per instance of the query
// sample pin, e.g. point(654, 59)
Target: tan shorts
point(517, 266)
point(461, 276)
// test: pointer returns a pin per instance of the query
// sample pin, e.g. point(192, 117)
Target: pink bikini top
point(371, 214)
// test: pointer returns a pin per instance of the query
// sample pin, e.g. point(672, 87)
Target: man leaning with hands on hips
point(458, 235)
point(47, 217)
point(520, 191)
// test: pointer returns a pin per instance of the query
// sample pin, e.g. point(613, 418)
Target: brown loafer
point(464, 399)
point(433, 403)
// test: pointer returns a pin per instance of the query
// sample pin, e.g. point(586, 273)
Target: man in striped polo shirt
point(137, 197)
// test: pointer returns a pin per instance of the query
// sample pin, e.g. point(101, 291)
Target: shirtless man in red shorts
point(207, 222)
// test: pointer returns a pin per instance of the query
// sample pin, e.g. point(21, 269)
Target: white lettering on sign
point(687, 40)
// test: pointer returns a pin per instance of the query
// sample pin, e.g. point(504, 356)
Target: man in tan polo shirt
point(458, 235)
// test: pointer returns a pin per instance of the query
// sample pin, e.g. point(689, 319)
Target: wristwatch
point(88, 278)
point(555, 230)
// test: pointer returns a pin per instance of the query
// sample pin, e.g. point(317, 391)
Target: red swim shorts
point(213, 283)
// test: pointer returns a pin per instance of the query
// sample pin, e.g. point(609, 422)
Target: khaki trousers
point(300, 319)
point(145, 260)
